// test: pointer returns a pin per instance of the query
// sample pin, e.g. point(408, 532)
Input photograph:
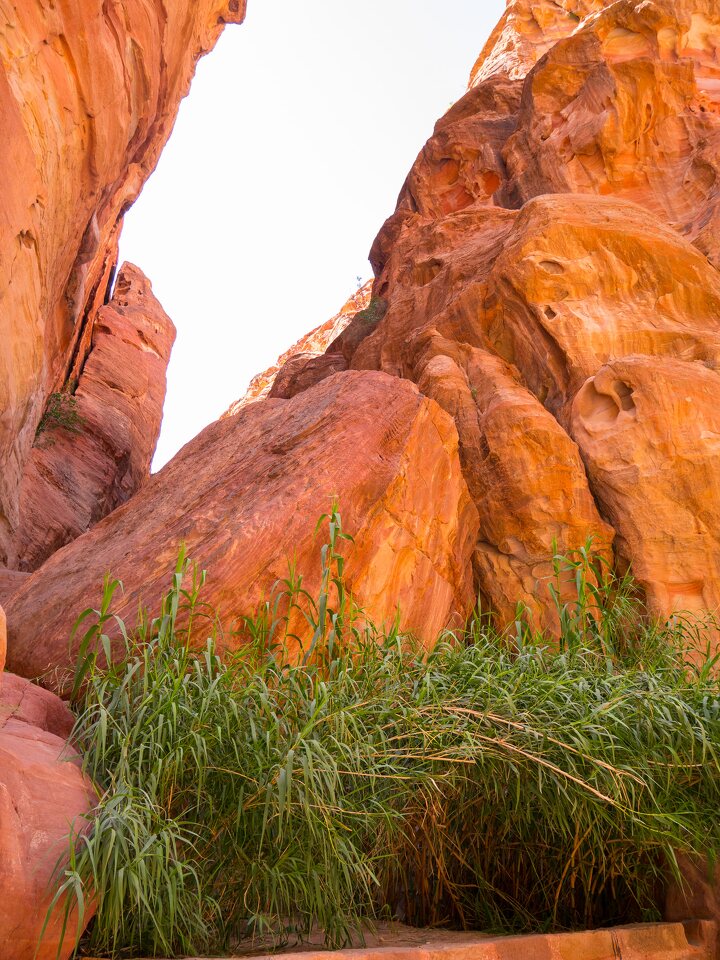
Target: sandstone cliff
point(80, 469)
point(550, 279)
point(548, 284)
point(88, 96)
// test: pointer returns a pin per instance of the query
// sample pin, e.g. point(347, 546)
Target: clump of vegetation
point(373, 313)
point(497, 782)
point(61, 413)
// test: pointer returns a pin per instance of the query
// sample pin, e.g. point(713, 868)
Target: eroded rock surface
point(75, 477)
point(244, 497)
point(550, 279)
point(88, 96)
point(43, 795)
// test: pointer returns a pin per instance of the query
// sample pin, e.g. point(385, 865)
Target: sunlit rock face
point(78, 473)
point(245, 496)
point(88, 95)
point(550, 280)
point(548, 284)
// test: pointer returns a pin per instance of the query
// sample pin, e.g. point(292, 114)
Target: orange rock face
point(88, 97)
point(550, 280)
point(649, 429)
point(76, 476)
point(3, 639)
point(42, 794)
point(244, 496)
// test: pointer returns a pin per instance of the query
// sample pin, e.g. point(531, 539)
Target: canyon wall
point(89, 92)
point(548, 284)
point(550, 279)
point(94, 448)
point(536, 365)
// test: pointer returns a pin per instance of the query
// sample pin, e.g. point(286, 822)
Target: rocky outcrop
point(3, 639)
point(43, 796)
point(287, 372)
point(549, 278)
point(244, 497)
point(83, 468)
point(88, 97)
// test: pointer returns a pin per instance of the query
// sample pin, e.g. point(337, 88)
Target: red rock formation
point(42, 795)
point(10, 581)
point(549, 279)
point(73, 479)
point(244, 497)
point(649, 430)
point(3, 640)
point(88, 97)
point(289, 366)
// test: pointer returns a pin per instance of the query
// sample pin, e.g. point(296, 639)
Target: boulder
point(245, 496)
point(43, 797)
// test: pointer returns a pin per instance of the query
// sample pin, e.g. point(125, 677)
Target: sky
point(286, 158)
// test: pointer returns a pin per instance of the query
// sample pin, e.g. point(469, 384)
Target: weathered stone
point(582, 280)
point(88, 96)
point(649, 430)
point(10, 581)
point(562, 218)
point(245, 496)
point(43, 796)
point(3, 639)
point(74, 477)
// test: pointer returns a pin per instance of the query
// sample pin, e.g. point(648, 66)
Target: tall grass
point(499, 782)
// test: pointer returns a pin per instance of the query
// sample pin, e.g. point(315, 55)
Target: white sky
point(286, 158)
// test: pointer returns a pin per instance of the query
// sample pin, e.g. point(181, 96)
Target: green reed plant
point(506, 783)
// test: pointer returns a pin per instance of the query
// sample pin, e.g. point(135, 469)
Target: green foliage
point(61, 413)
point(373, 313)
point(496, 782)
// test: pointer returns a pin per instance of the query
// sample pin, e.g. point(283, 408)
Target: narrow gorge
point(534, 368)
